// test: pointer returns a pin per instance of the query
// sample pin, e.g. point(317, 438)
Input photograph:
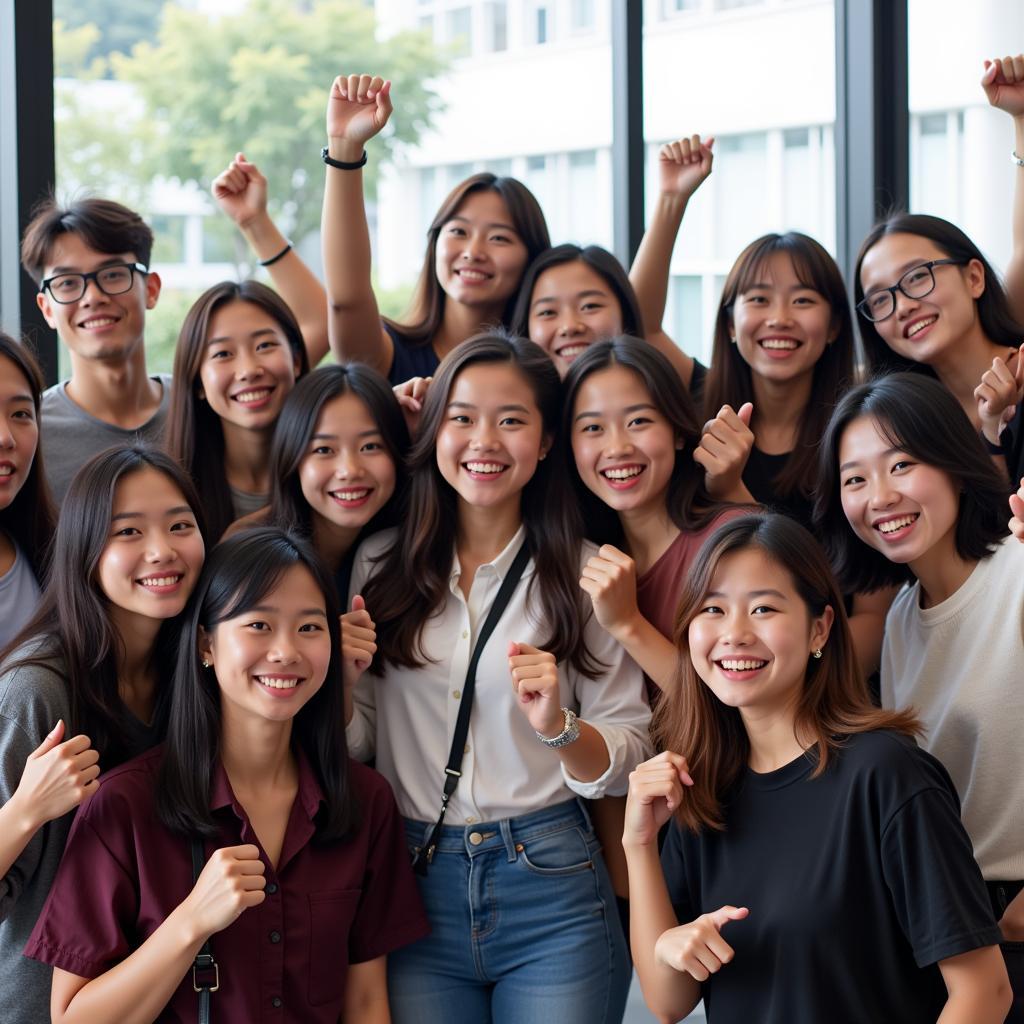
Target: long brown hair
point(410, 579)
point(730, 381)
point(195, 436)
point(834, 704)
point(426, 308)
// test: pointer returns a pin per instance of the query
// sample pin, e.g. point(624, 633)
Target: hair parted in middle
point(835, 702)
point(410, 580)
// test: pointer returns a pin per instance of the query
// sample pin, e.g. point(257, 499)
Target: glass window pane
point(459, 29)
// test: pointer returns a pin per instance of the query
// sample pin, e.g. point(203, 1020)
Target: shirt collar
point(500, 564)
point(309, 796)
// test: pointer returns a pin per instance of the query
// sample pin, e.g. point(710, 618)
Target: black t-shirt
point(409, 360)
point(858, 882)
point(760, 474)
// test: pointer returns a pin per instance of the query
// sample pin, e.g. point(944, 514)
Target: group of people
point(712, 668)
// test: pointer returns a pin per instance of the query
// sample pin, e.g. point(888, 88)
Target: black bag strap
point(453, 770)
point(205, 972)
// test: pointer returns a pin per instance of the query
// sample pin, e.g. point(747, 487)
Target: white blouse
point(407, 716)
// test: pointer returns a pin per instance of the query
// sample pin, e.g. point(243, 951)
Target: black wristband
point(273, 259)
point(342, 165)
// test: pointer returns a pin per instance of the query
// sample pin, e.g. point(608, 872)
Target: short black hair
point(920, 416)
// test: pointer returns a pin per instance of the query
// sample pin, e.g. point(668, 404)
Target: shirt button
point(275, 936)
point(276, 1003)
point(475, 838)
point(465, 634)
point(471, 821)
point(456, 694)
point(272, 888)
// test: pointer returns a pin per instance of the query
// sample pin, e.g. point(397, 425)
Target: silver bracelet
point(570, 732)
point(1014, 159)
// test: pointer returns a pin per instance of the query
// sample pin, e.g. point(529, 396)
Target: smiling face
point(248, 367)
point(154, 551)
point(347, 474)
point(753, 634)
point(98, 326)
point(624, 447)
point(491, 436)
point(480, 258)
point(270, 660)
point(925, 330)
point(19, 431)
point(572, 306)
point(894, 502)
point(781, 326)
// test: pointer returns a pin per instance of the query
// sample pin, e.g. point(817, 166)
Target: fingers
point(676, 761)
point(358, 604)
point(50, 740)
point(721, 917)
point(745, 411)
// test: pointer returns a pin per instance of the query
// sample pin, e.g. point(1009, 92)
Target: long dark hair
point(297, 422)
point(73, 619)
point(602, 262)
point(426, 308)
point(919, 416)
point(239, 573)
point(835, 702)
point(195, 436)
point(410, 579)
point(687, 500)
point(29, 520)
point(730, 381)
point(997, 321)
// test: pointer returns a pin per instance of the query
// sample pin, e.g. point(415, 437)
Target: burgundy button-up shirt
point(327, 905)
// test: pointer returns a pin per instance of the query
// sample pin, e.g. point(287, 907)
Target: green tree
point(258, 81)
point(113, 31)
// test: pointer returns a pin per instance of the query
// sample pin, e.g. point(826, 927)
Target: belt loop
point(506, 835)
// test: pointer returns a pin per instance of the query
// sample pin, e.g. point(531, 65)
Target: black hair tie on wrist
point(343, 165)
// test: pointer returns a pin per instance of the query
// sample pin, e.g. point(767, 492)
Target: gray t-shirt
point(32, 698)
point(243, 503)
point(69, 436)
point(19, 597)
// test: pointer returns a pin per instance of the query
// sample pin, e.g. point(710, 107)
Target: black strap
point(205, 972)
point(452, 772)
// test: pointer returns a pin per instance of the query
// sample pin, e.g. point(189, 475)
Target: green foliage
point(111, 30)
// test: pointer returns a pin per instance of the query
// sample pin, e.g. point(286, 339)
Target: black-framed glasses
point(115, 279)
point(916, 283)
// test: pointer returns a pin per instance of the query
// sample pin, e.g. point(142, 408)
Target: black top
point(409, 360)
point(1012, 439)
point(760, 474)
point(858, 882)
point(697, 378)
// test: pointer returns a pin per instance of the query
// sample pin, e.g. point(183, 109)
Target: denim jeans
point(524, 927)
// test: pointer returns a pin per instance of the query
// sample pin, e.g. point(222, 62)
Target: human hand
point(410, 397)
point(1017, 508)
point(535, 680)
point(683, 165)
point(57, 777)
point(1000, 391)
point(241, 191)
point(358, 642)
point(655, 792)
point(231, 881)
point(1003, 82)
point(609, 577)
point(724, 448)
point(698, 948)
point(358, 108)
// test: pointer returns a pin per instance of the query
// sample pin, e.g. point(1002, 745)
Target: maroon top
point(328, 905)
point(658, 590)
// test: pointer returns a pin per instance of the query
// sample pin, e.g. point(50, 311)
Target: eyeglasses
point(916, 283)
point(116, 279)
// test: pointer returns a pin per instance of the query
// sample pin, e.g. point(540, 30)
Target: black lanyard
point(205, 972)
point(452, 772)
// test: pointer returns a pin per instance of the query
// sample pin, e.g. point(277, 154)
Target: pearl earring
point(817, 653)
point(206, 664)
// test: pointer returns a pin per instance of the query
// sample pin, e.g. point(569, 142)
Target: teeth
point(252, 396)
point(100, 321)
point(277, 684)
point(572, 351)
point(485, 467)
point(920, 326)
point(472, 275)
point(160, 581)
point(350, 495)
point(6, 470)
point(780, 343)
point(892, 525)
point(736, 665)
point(625, 473)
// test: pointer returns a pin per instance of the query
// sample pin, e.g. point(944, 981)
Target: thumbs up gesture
point(724, 449)
point(698, 948)
point(535, 680)
point(358, 642)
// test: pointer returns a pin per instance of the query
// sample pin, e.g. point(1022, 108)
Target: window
point(168, 238)
point(673, 7)
point(496, 26)
point(540, 24)
point(684, 316)
point(582, 15)
point(459, 30)
point(221, 243)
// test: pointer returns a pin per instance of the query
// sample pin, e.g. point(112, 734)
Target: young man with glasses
point(91, 262)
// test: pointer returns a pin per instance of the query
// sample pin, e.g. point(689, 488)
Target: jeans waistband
point(486, 836)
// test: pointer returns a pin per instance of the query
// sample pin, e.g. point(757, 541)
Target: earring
point(732, 338)
point(817, 653)
point(206, 664)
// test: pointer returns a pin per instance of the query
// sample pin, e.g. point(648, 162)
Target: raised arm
point(241, 192)
point(1003, 83)
point(357, 109)
point(682, 166)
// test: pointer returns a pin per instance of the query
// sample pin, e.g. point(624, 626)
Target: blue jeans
point(524, 927)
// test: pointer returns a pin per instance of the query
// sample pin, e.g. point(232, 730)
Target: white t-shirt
point(960, 665)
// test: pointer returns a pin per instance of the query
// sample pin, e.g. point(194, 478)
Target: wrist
point(628, 631)
point(24, 816)
point(187, 931)
point(344, 150)
point(260, 231)
point(673, 203)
